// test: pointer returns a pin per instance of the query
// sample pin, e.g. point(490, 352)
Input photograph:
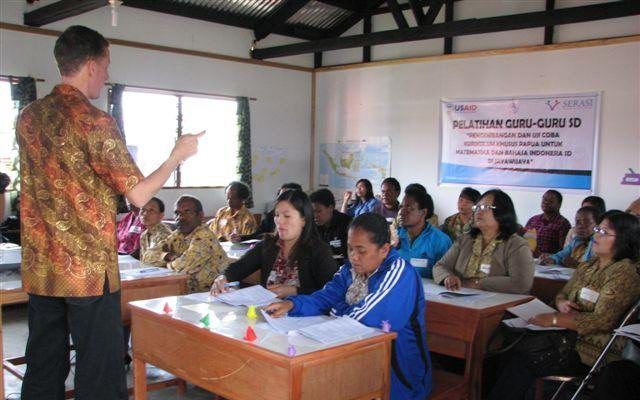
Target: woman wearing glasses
point(591, 304)
point(491, 256)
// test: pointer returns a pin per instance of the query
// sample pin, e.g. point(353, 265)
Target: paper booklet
point(524, 312)
point(251, 296)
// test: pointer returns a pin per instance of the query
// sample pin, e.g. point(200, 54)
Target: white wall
point(402, 101)
point(280, 116)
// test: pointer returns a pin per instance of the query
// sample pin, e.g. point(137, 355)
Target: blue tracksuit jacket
point(395, 295)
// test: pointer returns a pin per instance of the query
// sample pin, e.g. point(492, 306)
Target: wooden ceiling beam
point(434, 9)
point(278, 18)
point(60, 10)
point(397, 13)
point(472, 26)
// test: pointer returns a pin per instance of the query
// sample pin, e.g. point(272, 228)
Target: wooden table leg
point(139, 379)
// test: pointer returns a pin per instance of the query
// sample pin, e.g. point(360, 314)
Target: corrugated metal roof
point(319, 15)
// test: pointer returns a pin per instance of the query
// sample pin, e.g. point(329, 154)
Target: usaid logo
point(463, 108)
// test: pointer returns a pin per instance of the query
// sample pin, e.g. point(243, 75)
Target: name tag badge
point(390, 220)
point(589, 295)
point(335, 243)
point(485, 268)
point(420, 262)
point(135, 229)
point(223, 222)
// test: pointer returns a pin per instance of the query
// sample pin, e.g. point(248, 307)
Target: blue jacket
point(430, 245)
point(395, 295)
point(559, 256)
point(362, 207)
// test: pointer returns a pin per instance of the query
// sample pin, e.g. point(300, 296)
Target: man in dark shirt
point(331, 223)
point(551, 227)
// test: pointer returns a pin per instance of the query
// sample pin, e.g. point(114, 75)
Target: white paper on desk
point(462, 292)
point(554, 272)
point(521, 323)
point(251, 241)
point(145, 272)
point(289, 324)
point(336, 330)
point(530, 309)
point(203, 297)
point(252, 296)
point(630, 331)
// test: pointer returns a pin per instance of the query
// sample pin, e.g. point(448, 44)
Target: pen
point(142, 271)
point(232, 284)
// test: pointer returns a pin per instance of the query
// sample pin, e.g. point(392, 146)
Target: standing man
point(73, 164)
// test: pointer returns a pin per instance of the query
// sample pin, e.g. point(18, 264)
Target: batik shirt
point(199, 255)
point(454, 227)
point(227, 221)
point(73, 164)
point(550, 232)
point(611, 291)
point(151, 244)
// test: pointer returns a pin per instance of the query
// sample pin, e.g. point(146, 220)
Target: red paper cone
point(250, 335)
point(166, 309)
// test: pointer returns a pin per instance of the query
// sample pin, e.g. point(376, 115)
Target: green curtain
point(114, 102)
point(23, 92)
point(244, 146)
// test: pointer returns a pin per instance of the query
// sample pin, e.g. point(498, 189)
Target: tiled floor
point(14, 336)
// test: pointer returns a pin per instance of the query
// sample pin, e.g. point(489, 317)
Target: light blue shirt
point(559, 256)
point(426, 249)
point(361, 208)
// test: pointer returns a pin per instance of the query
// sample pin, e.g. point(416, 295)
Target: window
point(153, 121)
point(8, 147)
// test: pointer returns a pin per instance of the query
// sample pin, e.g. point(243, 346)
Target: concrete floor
point(14, 337)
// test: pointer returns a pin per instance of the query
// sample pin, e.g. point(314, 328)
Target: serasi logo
point(553, 104)
point(514, 107)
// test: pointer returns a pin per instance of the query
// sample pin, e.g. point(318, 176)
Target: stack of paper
point(630, 331)
point(292, 324)
point(524, 312)
point(251, 296)
point(336, 330)
point(144, 272)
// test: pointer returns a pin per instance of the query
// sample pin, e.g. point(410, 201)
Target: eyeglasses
point(601, 231)
point(482, 207)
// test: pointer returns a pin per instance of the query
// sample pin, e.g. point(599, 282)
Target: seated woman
point(592, 201)
point(365, 201)
point(235, 218)
point(294, 260)
point(376, 285)
point(420, 243)
point(492, 256)
point(580, 247)
point(460, 223)
point(591, 304)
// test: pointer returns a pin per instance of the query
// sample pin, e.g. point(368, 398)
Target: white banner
point(530, 141)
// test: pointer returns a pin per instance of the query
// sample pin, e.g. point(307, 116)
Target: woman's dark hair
point(420, 196)
point(557, 194)
point(77, 45)
point(291, 186)
point(300, 201)
point(416, 186)
point(241, 189)
point(324, 197)
point(470, 194)
point(591, 211)
point(367, 184)
point(375, 224)
point(598, 203)
point(393, 182)
point(159, 202)
point(504, 213)
point(627, 228)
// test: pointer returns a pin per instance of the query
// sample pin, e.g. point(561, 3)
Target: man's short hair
point(324, 197)
point(193, 200)
point(242, 190)
point(557, 194)
point(77, 45)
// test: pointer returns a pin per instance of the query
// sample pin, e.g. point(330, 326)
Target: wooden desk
point(546, 286)
point(219, 360)
point(453, 324)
